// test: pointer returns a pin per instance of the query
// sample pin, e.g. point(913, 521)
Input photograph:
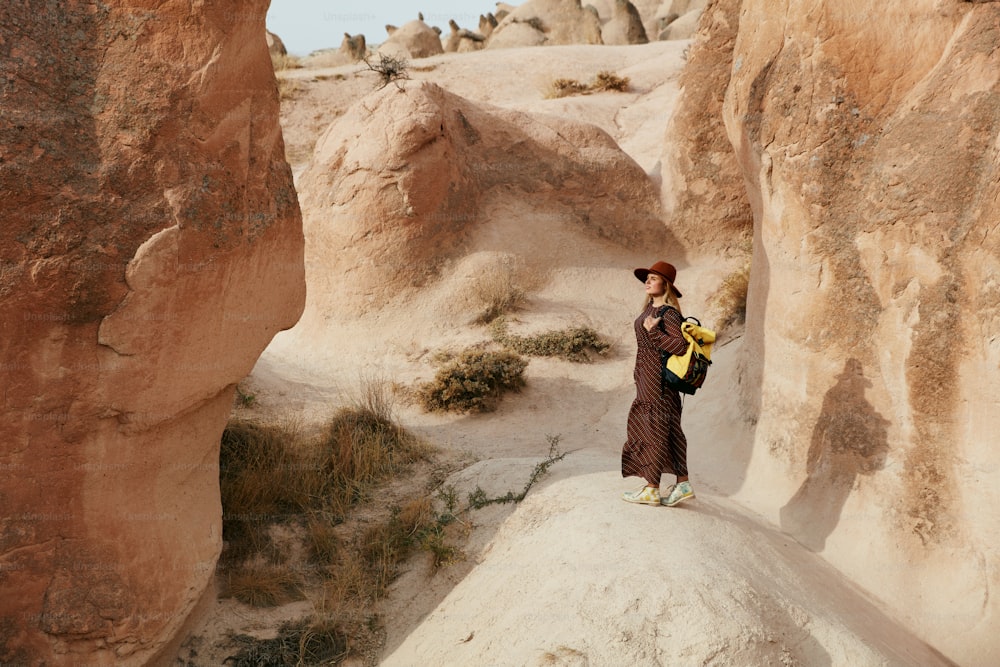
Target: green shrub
point(473, 381)
point(573, 343)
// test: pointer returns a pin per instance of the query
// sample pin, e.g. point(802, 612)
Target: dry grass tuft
point(731, 298)
point(264, 585)
point(473, 381)
point(604, 81)
point(499, 288)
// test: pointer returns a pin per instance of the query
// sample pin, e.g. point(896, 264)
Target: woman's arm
point(666, 335)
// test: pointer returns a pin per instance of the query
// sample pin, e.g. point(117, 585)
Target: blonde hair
point(669, 297)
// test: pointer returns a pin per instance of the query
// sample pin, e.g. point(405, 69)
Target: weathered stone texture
point(151, 247)
point(868, 137)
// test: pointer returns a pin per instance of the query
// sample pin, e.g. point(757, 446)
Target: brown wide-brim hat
point(662, 269)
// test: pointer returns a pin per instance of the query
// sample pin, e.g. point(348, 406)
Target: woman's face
point(655, 285)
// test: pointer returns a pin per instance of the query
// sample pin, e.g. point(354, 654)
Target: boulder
point(274, 44)
point(151, 248)
point(625, 26)
point(867, 138)
point(683, 27)
point(433, 173)
point(415, 39)
point(553, 21)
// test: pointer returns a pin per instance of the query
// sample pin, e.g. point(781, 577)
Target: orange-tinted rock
point(705, 196)
point(151, 248)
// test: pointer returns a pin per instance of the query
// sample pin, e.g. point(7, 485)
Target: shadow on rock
point(850, 439)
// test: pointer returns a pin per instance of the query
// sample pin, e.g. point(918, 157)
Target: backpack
point(686, 372)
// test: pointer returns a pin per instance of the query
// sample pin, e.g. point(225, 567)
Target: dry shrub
point(314, 641)
point(389, 68)
point(565, 88)
point(609, 81)
point(287, 88)
point(603, 81)
point(264, 585)
point(263, 480)
point(473, 381)
point(573, 343)
point(498, 288)
point(731, 299)
point(283, 61)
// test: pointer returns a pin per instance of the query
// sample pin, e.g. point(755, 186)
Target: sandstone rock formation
point(415, 39)
point(867, 136)
point(705, 196)
point(150, 250)
point(683, 27)
point(461, 40)
point(435, 172)
point(274, 44)
point(354, 47)
point(625, 26)
point(551, 21)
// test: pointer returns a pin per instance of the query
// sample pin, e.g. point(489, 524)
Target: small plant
point(478, 498)
point(731, 299)
point(389, 68)
point(473, 381)
point(603, 81)
point(498, 288)
point(245, 399)
point(573, 344)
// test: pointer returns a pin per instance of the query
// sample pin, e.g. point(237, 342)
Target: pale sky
point(307, 25)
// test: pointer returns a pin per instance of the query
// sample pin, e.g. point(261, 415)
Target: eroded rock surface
point(867, 136)
point(151, 248)
point(385, 213)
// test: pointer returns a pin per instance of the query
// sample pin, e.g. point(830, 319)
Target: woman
point(656, 443)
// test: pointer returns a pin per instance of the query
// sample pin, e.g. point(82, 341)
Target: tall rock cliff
point(868, 135)
point(150, 249)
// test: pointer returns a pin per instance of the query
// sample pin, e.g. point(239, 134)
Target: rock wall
point(704, 193)
point(867, 134)
point(151, 248)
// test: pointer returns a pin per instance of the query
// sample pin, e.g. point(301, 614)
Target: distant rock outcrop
point(274, 44)
point(151, 247)
point(389, 211)
point(869, 152)
point(625, 26)
point(461, 40)
point(548, 22)
point(414, 39)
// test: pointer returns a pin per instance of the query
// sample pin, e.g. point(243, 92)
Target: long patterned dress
point(656, 443)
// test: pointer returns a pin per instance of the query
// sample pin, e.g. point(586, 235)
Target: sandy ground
point(573, 575)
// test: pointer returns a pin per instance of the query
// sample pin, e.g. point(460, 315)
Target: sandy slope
point(574, 576)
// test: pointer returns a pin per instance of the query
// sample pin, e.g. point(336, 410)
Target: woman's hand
point(650, 322)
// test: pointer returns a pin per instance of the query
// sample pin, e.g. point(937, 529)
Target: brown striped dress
point(656, 443)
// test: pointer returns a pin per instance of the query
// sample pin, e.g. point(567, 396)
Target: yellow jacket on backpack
point(689, 377)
